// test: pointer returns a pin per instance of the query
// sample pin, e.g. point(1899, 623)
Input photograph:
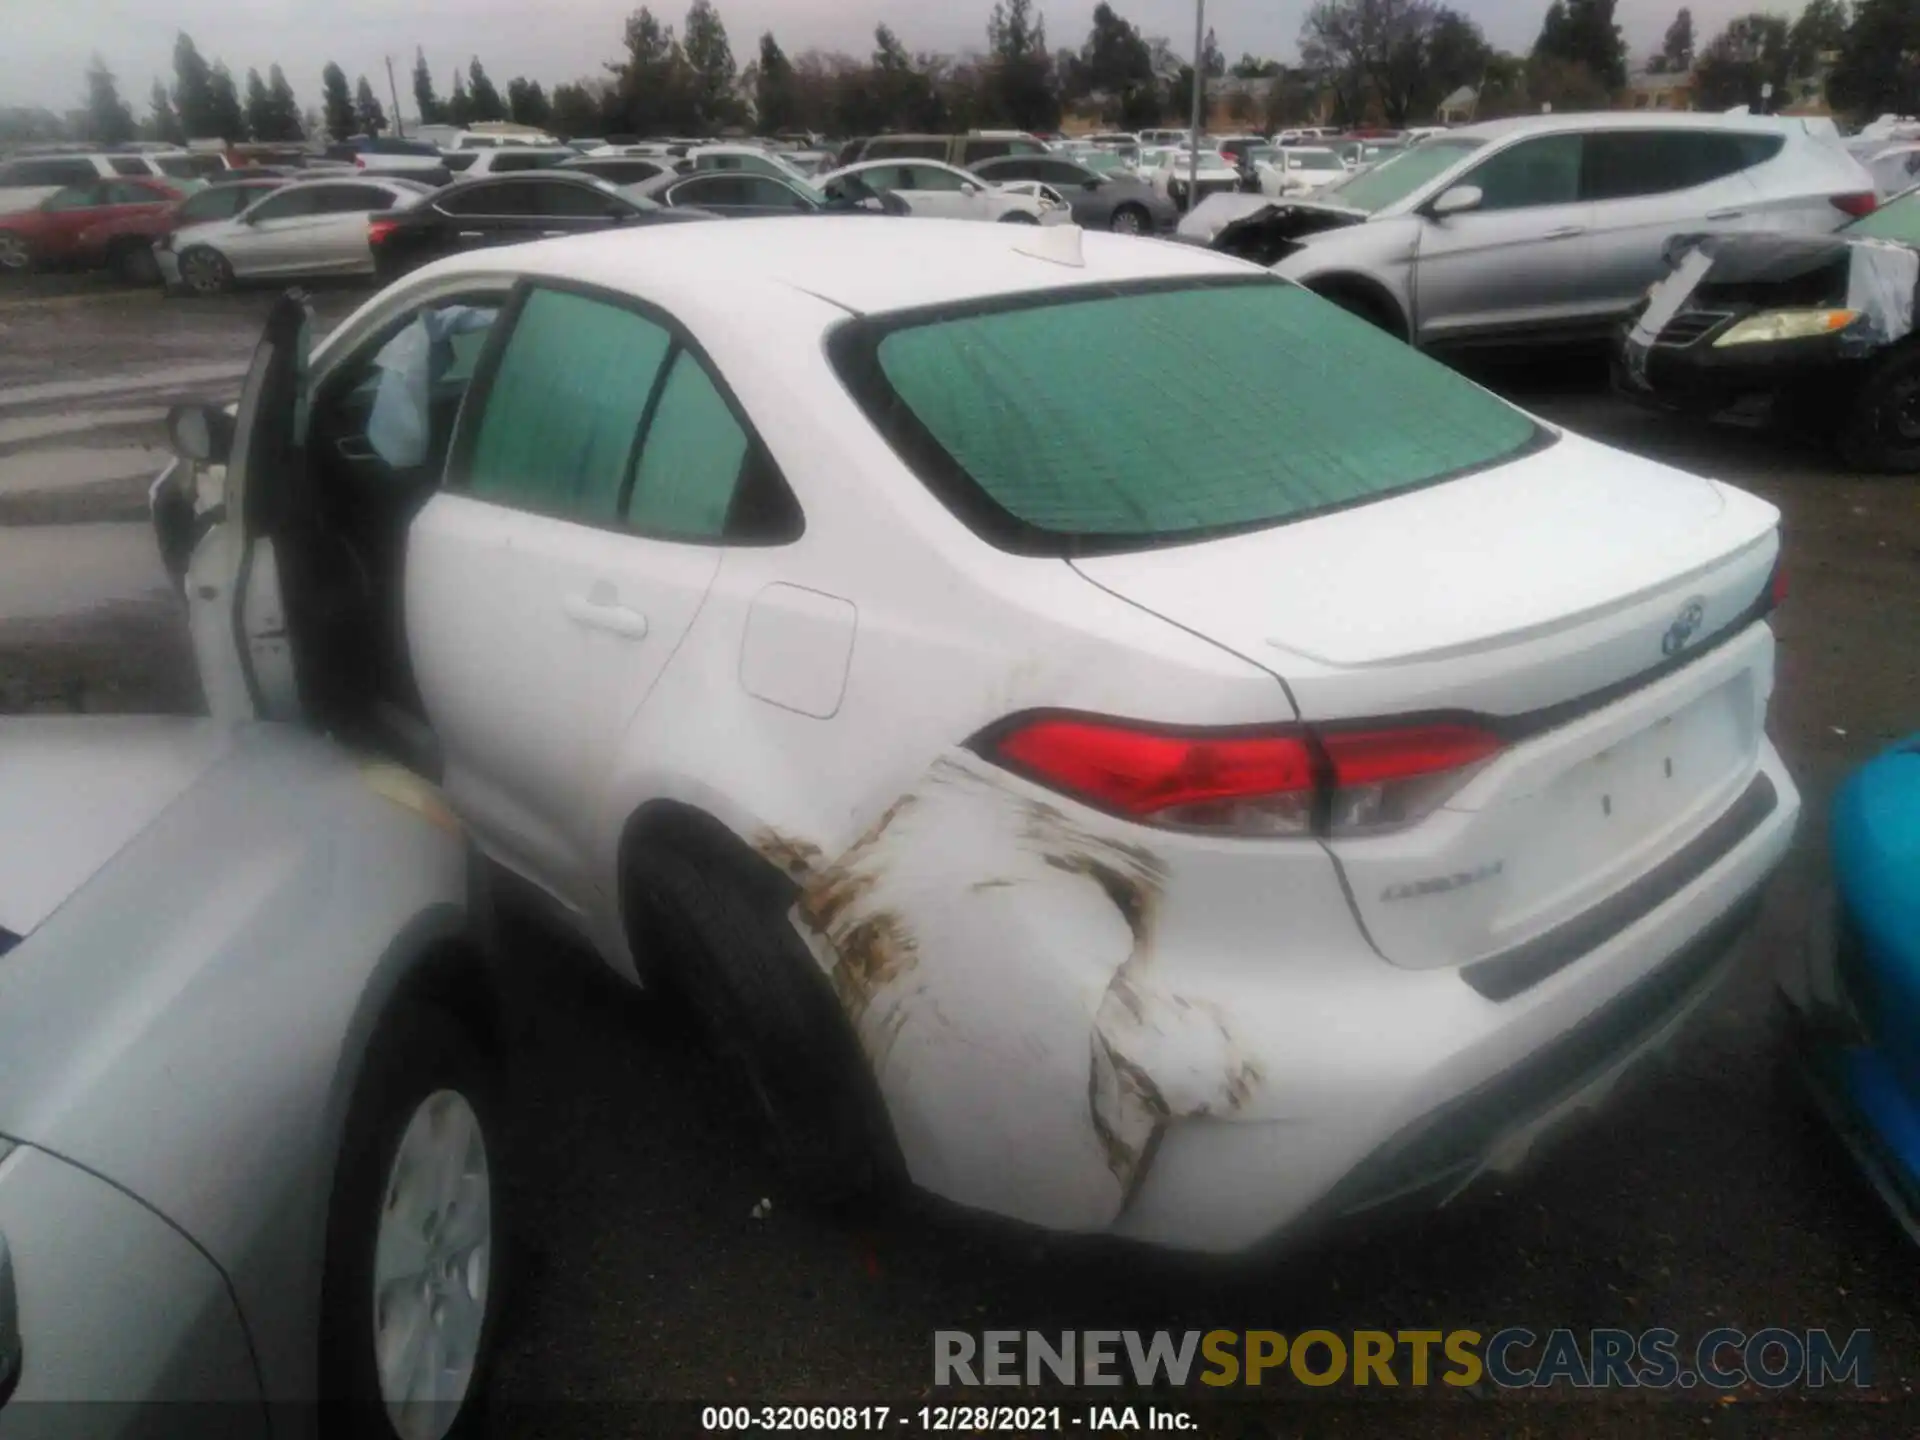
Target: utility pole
point(399, 124)
point(1199, 83)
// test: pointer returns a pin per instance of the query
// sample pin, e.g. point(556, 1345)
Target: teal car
point(1853, 999)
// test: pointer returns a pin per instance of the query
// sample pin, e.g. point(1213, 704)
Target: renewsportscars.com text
point(1515, 1357)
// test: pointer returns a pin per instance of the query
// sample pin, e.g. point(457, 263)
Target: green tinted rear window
point(1115, 421)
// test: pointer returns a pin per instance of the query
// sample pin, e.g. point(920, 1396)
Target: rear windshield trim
point(853, 348)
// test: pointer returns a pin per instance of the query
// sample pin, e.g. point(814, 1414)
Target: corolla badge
point(1684, 627)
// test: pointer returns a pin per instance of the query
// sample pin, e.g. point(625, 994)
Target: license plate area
point(1614, 812)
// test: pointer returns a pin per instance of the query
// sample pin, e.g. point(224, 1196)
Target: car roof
point(1616, 120)
point(863, 264)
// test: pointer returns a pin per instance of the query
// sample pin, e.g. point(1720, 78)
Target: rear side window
point(48, 172)
point(1118, 421)
point(1627, 163)
point(690, 465)
point(488, 200)
point(458, 160)
point(564, 408)
point(128, 165)
point(990, 150)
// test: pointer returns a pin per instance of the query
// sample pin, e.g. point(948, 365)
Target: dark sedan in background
point(1819, 328)
point(741, 193)
point(504, 210)
point(1099, 202)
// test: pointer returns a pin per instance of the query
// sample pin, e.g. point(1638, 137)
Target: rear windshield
point(1111, 420)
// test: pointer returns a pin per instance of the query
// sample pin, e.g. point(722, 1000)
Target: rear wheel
point(1018, 217)
point(413, 1235)
point(1882, 430)
point(1129, 220)
point(205, 272)
point(15, 256)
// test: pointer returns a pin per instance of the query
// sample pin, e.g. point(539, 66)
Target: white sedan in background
point(309, 228)
point(1172, 177)
point(947, 192)
point(1299, 169)
point(1118, 821)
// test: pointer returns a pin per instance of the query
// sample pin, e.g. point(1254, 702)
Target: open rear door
point(232, 581)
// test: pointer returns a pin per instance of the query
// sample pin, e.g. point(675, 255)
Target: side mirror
point(967, 187)
point(200, 434)
point(1456, 201)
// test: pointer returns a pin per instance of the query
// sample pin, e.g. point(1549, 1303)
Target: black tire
point(1018, 217)
point(771, 1017)
point(1881, 431)
point(418, 1051)
point(16, 256)
point(205, 272)
point(1130, 220)
point(135, 264)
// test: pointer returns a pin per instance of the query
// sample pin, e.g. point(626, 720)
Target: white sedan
point(1172, 177)
point(310, 228)
point(950, 193)
point(1117, 821)
point(1298, 169)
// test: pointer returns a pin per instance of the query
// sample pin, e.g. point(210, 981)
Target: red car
point(49, 234)
point(125, 240)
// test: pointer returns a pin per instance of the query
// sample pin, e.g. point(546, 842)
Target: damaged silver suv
point(1541, 229)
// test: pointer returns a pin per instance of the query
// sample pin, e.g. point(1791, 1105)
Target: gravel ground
point(1703, 1198)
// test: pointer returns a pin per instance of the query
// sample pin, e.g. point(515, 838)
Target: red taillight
point(1143, 772)
point(1279, 783)
point(1856, 203)
point(359, 162)
point(1777, 585)
point(379, 230)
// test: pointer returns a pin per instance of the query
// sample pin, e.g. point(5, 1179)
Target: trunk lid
point(1548, 595)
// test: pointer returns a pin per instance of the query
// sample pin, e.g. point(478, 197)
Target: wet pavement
point(1703, 1198)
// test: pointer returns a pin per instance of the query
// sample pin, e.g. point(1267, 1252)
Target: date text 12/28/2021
point(938, 1419)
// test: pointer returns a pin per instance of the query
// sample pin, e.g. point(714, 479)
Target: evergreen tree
point(108, 119)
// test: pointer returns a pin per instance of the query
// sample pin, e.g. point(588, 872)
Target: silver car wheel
point(14, 254)
point(432, 1263)
point(203, 272)
point(1126, 221)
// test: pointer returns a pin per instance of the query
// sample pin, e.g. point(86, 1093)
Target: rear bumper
point(1455, 1085)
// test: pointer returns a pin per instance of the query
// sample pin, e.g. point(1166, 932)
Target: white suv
point(29, 179)
point(1547, 228)
point(1124, 821)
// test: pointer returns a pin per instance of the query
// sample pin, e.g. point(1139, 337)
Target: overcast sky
point(45, 48)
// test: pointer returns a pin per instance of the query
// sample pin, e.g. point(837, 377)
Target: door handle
point(355, 448)
point(1725, 214)
point(1566, 232)
point(549, 234)
point(603, 615)
point(471, 235)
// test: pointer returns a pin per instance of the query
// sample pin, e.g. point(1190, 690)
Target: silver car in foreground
point(1545, 228)
point(309, 228)
point(250, 1118)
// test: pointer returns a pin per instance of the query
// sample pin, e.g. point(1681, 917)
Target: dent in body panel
point(995, 955)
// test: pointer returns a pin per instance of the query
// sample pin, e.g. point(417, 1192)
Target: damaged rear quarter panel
point(995, 954)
